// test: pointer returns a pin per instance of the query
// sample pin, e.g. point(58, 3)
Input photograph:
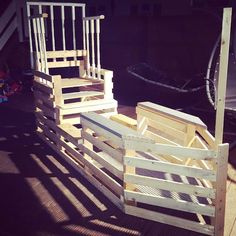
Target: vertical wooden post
point(98, 48)
point(223, 71)
point(87, 48)
point(221, 177)
point(93, 49)
point(52, 29)
point(63, 29)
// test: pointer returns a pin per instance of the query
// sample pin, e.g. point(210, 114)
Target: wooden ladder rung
point(82, 94)
point(78, 82)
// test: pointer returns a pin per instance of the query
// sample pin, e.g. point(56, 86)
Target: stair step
point(78, 82)
point(81, 94)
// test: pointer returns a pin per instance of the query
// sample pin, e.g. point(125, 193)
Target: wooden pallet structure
point(165, 166)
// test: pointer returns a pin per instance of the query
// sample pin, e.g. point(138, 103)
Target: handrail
point(11, 20)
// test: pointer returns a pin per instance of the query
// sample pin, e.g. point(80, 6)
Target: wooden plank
point(109, 125)
point(170, 203)
point(171, 113)
point(207, 136)
point(82, 94)
point(78, 82)
point(65, 53)
point(140, 144)
point(125, 120)
point(116, 154)
point(102, 176)
point(40, 96)
point(170, 168)
point(46, 110)
point(108, 162)
point(223, 70)
point(43, 75)
point(170, 185)
point(102, 132)
point(102, 188)
point(162, 119)
point(60, 64)
point(43, 87)
point(165, 128)
point(170, 220)
point(221, 178)
point(159, 139)
point(99, 104)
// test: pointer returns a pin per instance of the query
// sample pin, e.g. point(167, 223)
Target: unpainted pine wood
point(170, 185)
point(223, 70)
point(171, 113)
point(170, 220)
point(221, 176)
point(146, 145)
point(170, 168)
point(161, 119)
point(125, 120)
point(170, 203)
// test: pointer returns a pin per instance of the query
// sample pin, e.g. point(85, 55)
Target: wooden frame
point(164, 161)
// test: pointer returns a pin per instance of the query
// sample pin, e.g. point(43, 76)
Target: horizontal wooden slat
point(67, 53)
point(170, 220)
point(102, 132)
point(166, 129)
point(46, 110)
point(125, 120)
point(170, 203)
point(170, 185)
point(81, 94)
point(40, 96)
point(117, 155)
point(138, 144)
point(162, 119)
point(159, 139)
point(88, 106)
point(170, 168)
point(43, 87)
point(107, 124)
point(108, 162)
point(102, 188)
point(60, 64)
point(171, 113)
point(43, 75)
point(78, 82)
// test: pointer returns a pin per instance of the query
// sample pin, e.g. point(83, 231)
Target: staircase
point(13, 34)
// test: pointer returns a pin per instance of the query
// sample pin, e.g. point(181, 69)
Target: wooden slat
point(162, 119)
point(139, 144)
point(109, 163)
point(170, 220)
point(43, 87)
point(170, 203)
point(40, 96)
point(117, 155)
point(108, 125)
point(165, 128)
point(170, 168)
point(102, 132)
point(171, 113)
point(81, 94)
point(125, 120)
point(77, 82)
point(46, 110)
point(43, 75)
point(59, 64)
point(65, 53)
point(102, 188)
point(170, 185)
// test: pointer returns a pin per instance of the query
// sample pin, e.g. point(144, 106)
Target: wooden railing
point(11, 20)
